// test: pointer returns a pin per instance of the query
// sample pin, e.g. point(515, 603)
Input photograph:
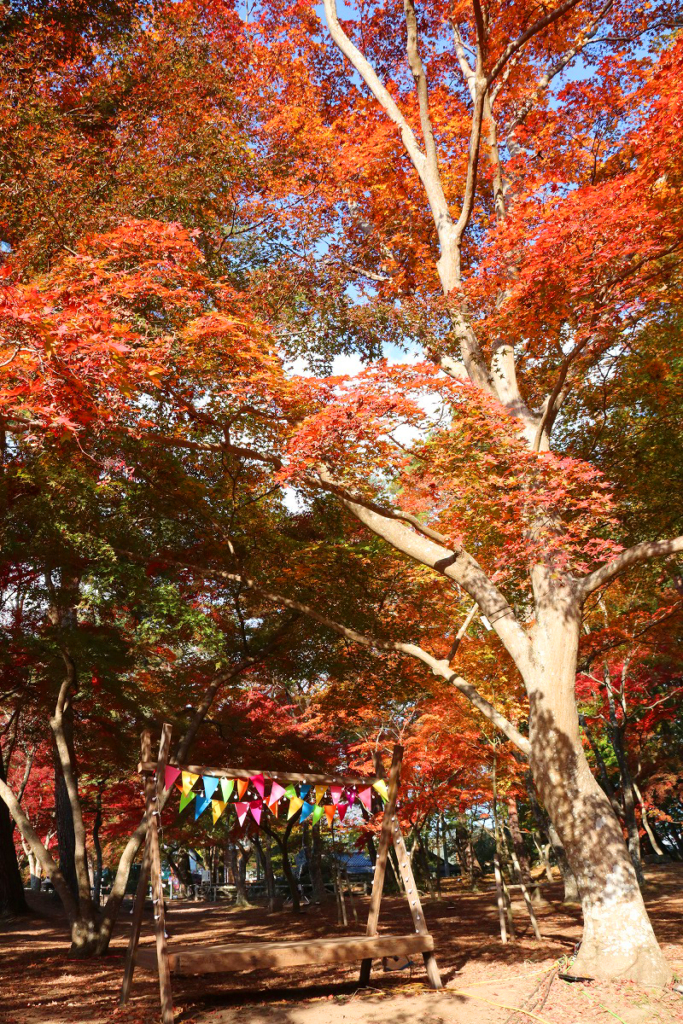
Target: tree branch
point(643, 552)
point(532, 30)
point(439, 667)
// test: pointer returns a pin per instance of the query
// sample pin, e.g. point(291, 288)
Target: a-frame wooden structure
point(169, 960)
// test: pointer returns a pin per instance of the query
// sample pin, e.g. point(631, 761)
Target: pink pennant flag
point(351, 795)
point(241, 810)
point(258, 783)
point(276, 791)
point(256, 808)
point(365, 797)
point(341, 810)
point(335, 793)
point(170, 775)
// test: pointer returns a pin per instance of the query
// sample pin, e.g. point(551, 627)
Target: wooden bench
point(278, 955)
point(274, 955)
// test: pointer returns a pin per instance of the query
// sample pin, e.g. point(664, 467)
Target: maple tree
point(525, 236)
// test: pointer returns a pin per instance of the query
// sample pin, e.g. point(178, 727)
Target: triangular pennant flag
point(256, 808)
point(336, 792)
point(306, 811)
point(329, 813)
point(341, 810)
point(258, 782)
point(242, 787)
point(241, 811)
point(185, 799)
point(189, 779)
point(294, 804)
point(317, 814)
point(227, 786)
point(276, 791)
point(290, 792)
point(217, 808)
point(319, 793)
point(200, 805)
point(170, 775)
point(381, 787)
point(351, 795)
point(274, 808)
point(210, 785)
point(304, 791)
point(365, 797)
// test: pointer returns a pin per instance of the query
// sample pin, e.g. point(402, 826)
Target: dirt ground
point(485, 981)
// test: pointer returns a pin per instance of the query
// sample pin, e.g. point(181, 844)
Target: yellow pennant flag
point(294, 805)
point(217, 808)
point(189, 779)
point(319, 793)
point(381, 787)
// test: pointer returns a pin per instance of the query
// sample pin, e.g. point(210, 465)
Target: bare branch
point(643, 552)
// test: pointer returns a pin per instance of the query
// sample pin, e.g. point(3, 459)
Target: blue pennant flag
point(210, 785)
point(200, 805)
point(306, 810)
point(304, 791)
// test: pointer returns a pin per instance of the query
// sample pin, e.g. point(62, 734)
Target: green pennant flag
point(185, 799)
point(227, 786)
point(317, 814)
point(291, 792)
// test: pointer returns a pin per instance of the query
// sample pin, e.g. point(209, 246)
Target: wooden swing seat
point(277, 955)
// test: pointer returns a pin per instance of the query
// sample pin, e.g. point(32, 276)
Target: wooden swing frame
point(274, 955)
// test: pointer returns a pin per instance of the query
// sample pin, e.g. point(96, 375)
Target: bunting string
point(248, 797)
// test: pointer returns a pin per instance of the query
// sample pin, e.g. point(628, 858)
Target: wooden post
point(499, 898)
point(382, 854)
point(391, 832)
point(151, 866)
point(140, 893)
point(413, 898)
point(525, 894)
point(154, 787)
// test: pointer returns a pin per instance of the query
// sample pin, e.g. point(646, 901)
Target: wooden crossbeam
point(278, 955)
point(150, 768)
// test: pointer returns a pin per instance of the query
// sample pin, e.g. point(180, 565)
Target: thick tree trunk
point(12, 898)
point(618, 940)
point(66, 838)
point(468, 862)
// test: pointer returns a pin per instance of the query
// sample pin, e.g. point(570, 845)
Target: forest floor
point(485, 981)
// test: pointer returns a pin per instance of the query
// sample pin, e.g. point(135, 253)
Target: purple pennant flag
point(351, 796)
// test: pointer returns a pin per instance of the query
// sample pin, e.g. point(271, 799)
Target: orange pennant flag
point(242, 787)
point(329, 813)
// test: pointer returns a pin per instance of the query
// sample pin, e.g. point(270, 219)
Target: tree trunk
point(316, 865)
point(66, 838)
point(468, 862)
point(518, 841)
point(571, 889)
point(12, 898)
point(97, 873)
point(618, 940)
